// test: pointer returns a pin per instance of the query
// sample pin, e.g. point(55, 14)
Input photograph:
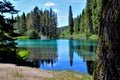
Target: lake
point(62, 54)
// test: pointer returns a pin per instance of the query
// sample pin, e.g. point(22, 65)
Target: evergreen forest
point(37, 23)
point(87, 23)
point(99, 20)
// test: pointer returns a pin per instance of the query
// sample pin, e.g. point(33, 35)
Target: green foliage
point(61, 29)
point(77, 24)
point(88, 15)
point(88, 22)
point(17, 24)
point(32, 34)
point(93, 37)
point(8, 47)
point(70, 20)
point(88, 34)
point(23, 54)
point(43, 22)
point(35, 19)
point(65, 34)
point(23, 27)
point(96, 14)
point(22, 37)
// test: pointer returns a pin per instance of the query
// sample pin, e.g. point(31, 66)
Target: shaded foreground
point(12, 72)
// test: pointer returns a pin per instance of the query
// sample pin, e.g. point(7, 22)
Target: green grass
point(65, 34)
point(93, 36)
point(22, 38)
point(79, 36)
point(23, 54)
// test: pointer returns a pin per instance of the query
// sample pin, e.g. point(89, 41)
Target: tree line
point(89, 21)
point(37, 23)
point(9, 52)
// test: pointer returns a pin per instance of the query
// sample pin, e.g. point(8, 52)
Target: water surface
point(75, 55)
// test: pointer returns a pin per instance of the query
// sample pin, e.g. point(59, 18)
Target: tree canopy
point(8, 47)
point(43, 22)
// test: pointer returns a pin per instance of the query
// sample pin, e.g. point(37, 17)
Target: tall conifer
point(70, 20)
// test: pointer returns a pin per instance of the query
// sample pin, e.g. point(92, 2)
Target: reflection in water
point(44, 55)
point(71, 52)
point(87, 51)
point(90, 66)
point(88, 54)
point(61, 54)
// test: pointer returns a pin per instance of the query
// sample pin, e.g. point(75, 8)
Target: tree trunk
point(107, 65)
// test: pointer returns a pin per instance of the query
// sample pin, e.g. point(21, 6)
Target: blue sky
point(61, 7)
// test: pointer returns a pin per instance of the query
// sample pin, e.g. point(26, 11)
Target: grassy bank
point(12, 72)
point(66, 35)
point(22, 38)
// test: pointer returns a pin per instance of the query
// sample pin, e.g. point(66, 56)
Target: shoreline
point(13, 72)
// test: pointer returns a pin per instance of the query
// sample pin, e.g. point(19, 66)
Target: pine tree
point(43, 22)
point(17, 24)
point(55, 25)
point(76, 24)
point(46, 24)
point(96, 10)
point(88, 15)
point(35, 17)
point(23, 27)
point(82, 22)
point(29, 21)
point(8, 47)
point(50, 22)
point(70, 20)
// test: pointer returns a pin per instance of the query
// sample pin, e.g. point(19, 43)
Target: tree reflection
point(90, 66)
point(71, 52)
point(87, 52)
point(44, 54)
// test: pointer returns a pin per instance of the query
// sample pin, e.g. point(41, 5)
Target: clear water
point(75, 55)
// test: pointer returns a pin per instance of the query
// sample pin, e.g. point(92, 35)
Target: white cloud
point(56, 10)
point(49, 4)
